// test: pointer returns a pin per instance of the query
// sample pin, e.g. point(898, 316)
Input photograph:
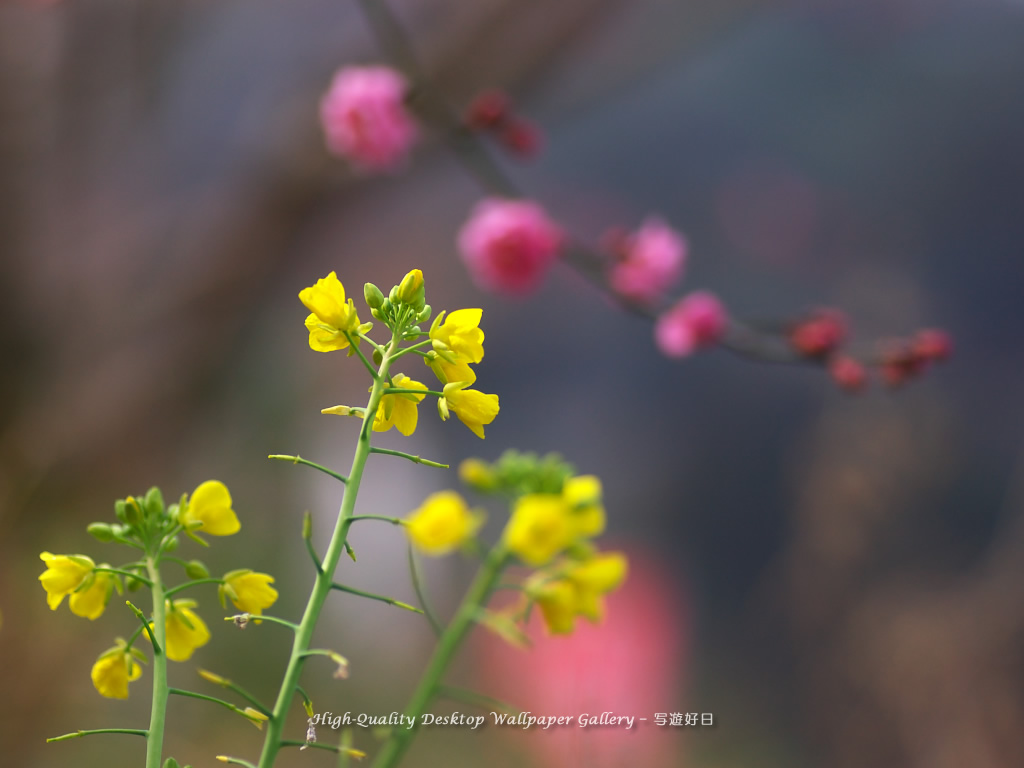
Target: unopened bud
point(442, 408)
point(411, 289)
point(153, 503)
point(195, 569)
point(101, 531)
point(374, 298)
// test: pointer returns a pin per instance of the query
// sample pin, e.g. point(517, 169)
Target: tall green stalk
point(477, 596)
point(155, 736)
point(325, 577)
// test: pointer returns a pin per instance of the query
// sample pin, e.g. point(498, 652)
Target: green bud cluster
point(516, 473)
point(404, 307)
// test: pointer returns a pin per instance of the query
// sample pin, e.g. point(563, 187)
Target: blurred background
point(838, 580)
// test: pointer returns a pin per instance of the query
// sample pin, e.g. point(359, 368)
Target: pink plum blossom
point(652, 259)
point(698, 320)
point(508, 245)
point(365, 119)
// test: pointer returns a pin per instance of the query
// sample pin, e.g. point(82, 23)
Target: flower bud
point(131, 583)
point(393, 295)
point(172, 544)
point(411, 289)
point(170, 762)
point(378, 358)
point(153, 504)
point(424, 314)
point(848, 374)
point(442, 408)
point(101, 531)
point(195, 569)
point(478, 475)
point(374, 298)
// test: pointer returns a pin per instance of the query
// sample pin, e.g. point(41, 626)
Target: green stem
point(308, 463)
point(77, 734)
point(373, 596)
point(204, 697)
point(409, 456)
point(324, 578)
point(194, 582)
point(158, 714)
point(414, 348)
point(129, 574)
point(430, 684)
point(404, 391)
point(385, 518)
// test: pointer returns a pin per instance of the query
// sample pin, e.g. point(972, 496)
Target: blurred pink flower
point(634, 663)
point(508, 245)
point(365, 119)
point(652, 259)
point(697, 320)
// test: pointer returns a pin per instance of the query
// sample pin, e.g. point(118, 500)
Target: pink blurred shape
point(508, 245)
point(652, 259)
point(634, 663)
point(365, 119)
point(697, 320)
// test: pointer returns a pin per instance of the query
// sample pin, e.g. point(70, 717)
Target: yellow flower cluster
point(88, 586)
point(576, 588)
point(443, 523)
point(456, 342)
point(544, 525)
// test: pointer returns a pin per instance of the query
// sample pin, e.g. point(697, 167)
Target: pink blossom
point(652, 260)
point(698, 320)
point(634, 662)
point(508, 245)
point(365, 119)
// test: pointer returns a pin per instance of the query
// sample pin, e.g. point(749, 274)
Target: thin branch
point(372, 596)
point(77, 734)
point(421, 593)
point(308, 463)
point(409, 456)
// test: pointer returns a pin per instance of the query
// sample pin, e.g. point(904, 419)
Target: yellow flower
point(583, 496)
point(185, 630)
point(399, 410)
point(63, 575)
point(210, 505)
point(331, 315)
point(557, 603)
point(442, 523)
point(250, 592)
point(474, 409)
point(113, 670)
point(89, 601)
point(593, 579)
point(478, 475)
point(457, 343)
point(540, 528)
point(578, 591)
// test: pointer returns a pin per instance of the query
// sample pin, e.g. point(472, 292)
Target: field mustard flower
point(474, 409)
point(90, 601)
point(250, 592)
point(399, 410)
point(185, 630)
point(458, 341)
point(331, 315)
point(593, 579)
point(557, 603)
point(583, 496)
point(540, 528)
point(63, 575)
point(442, 523)
point(113, 670)
point(210, 504)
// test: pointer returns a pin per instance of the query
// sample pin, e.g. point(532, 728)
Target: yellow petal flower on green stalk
point(113, 671)
point(557, 603)
point(474, 409)
point(332, 316)
point(593, 579)
point(185, 630)
point(442, 523)
point(210, 504)
point(90, 601)
point(451, 373)
point(460, 332)
point(399, 410)
point(63, 575)
point(250, 592)
point(583, 496)
point(539, 529)
point(410, 290)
